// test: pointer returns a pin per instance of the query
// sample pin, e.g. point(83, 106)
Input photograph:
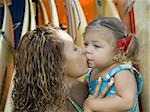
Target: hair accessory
point(123, 43)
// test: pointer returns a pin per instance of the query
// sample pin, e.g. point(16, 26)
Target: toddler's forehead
point(100, 35)
point(99, 29)
point(100, 32)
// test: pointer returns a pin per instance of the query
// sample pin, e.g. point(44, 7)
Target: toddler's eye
point(97, 46)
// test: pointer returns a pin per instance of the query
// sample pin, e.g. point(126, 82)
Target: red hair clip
point(123, 43)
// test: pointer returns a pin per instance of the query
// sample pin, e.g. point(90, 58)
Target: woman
point(47, 64)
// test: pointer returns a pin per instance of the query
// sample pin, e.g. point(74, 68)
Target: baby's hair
point(119, 32)
point(39, 77)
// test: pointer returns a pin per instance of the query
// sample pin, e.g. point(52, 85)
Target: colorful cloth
point(111, 73)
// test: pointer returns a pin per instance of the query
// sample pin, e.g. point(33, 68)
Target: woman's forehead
point(64, 36)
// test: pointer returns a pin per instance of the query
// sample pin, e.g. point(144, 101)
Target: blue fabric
point(111, 73)
point(17, 9)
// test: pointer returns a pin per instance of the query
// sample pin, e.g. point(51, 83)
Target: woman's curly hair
point(39, 77)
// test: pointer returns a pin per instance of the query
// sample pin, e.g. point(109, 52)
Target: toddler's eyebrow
point(95, 41)
point(92, 41)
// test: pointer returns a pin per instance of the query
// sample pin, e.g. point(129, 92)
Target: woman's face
point(75, 59)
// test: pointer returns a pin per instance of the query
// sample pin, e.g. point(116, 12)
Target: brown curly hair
point(119, 31)
point(39, 78)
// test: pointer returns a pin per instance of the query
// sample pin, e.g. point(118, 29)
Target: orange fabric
point(46, 4)
point(126, 17)
point(61, 11)
point(132, 21)
point(7, 81)
point(39, 17)
point(88, 8)
point(87, 5)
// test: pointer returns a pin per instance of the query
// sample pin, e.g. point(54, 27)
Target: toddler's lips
point(90, 62)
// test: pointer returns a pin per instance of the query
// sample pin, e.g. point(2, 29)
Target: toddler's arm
point(123, 100)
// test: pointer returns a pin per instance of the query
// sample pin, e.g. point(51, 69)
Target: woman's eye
point(75, 48)
point(85, 44)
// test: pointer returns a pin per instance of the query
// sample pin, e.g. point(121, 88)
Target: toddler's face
point(99, 50)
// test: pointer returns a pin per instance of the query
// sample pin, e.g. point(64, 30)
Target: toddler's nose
point(88, 49)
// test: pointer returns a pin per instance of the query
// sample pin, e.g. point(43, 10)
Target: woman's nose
point(83, 51)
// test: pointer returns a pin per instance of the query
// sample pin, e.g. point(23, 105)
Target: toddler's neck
point(101, 72)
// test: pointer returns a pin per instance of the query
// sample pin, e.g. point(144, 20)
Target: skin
point(76, 66)
point(100, 52)
point(76, 62)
